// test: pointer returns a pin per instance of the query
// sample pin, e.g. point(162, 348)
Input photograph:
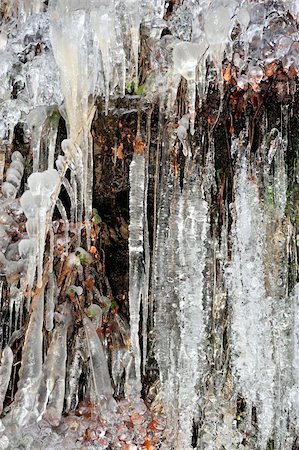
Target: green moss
point(132, 89)
point(70, 292)
point(269, 195)
point(96, 217)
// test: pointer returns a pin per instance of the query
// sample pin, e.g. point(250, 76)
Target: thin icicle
point(52, 131)
point(74, 157)
point(51, 249)
point(88, 179)
point(63, 214)
point(51, 300)
point(74, 373)
point(36, 120)
point(147, 261)
point(5, 372)
point(72, 198)
point(75, 192)
point(15, 295)
point(134, 18)
point(102, 21)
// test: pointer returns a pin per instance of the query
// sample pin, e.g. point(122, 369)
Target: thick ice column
point(179, 297)
point(70, 36)
point(52, 390)
point(25, 404)
point(192, 241)
point(138, 282)
point(294, 391)
point(102, 388)
point(5, 372)
point(252, 339)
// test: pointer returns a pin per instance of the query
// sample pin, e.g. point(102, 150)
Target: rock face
point(149, 224)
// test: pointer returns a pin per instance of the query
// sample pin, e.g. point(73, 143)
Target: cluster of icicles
point(95, 46)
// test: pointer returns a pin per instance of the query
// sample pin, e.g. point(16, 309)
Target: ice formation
point(212, 320)
point(179, 290)
point(138, 292)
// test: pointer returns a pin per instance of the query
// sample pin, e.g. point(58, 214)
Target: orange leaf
point(147, 445)
point(138, 146)
point(153, 425)
point(227, 74)
point(93, 250)
point(119, 153)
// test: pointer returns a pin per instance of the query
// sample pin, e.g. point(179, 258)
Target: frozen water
point(56, 61)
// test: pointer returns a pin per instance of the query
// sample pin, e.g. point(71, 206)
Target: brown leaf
point(119, 153)
point(89, 282)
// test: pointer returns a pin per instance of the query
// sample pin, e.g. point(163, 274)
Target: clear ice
point(213, 221)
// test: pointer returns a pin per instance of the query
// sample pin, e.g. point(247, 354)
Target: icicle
point(74, 157)
point(36, 204)
point(75, 192)
point(50, 305)
point(63, 214)
point(51, 395)
point(2, 165)
point(99, 369)
point(36, 120)
point(51, 249)
point(74, 373)
point(179, 296)
point(14, 176)
point(52, 131)
point(69, 37)
point(186, 56)
point(102, 21)
point(137, 280)
point(14, 305)
point(146, 245)
point(134, 17)
point(217, 25)
point(72, 198)
point(31, 366)
point(5, 372)
point(280, 176)
point(121, 357)
point(294, 392)
point(252, 357)
point(88, 180)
